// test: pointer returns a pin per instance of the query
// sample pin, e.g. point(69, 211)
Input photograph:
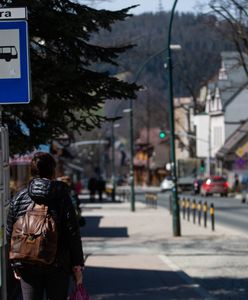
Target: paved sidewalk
point(133, 255)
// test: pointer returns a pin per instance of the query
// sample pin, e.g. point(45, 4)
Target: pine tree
point(67, 91)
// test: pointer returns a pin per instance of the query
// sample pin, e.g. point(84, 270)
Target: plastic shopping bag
point(80, 294)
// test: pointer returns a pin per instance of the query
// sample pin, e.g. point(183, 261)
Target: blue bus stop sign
point(14, 62)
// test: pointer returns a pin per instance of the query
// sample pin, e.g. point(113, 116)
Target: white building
point(210, 127)
point(226, 107)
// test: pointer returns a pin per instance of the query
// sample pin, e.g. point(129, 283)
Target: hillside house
point(151, 156)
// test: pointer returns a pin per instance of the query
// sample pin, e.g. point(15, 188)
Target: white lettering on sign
point(13, 13)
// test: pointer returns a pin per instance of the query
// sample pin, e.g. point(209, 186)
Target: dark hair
point(43, 165)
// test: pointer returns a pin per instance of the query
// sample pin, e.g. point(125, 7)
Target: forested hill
point(196, 63)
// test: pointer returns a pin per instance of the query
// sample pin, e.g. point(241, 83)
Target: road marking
point(201, 291)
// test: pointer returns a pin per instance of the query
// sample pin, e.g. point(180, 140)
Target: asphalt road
point(229, 211)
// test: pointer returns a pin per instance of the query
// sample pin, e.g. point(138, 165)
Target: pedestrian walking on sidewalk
point(60, 251)
point(101, 186)
point(74, 198)
point(236, 185)
point(92, 187)
point(244, 183)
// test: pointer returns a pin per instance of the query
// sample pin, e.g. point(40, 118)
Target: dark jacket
point(55, 195)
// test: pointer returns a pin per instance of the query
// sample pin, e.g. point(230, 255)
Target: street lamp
point(175, 204)
point(131, 142)
point(113, 126)
point(131, 170)
point(58, 146)
point(130, 110)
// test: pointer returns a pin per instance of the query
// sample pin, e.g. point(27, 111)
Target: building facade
point(226, 100)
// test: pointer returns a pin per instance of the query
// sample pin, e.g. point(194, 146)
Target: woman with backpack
point(43, 235)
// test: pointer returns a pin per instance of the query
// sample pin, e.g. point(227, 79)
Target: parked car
point(197, 185)
point(167, 184)
point(214, 185)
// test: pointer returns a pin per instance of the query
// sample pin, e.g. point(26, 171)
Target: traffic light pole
point(131, 170)
point(209, 148)
point(113, 161)
point(175, 204)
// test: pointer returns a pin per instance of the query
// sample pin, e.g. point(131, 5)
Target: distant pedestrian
point(236, 186)
point(244, 183)
point(73, 195)
point(101, 186)
point(92, 187)
point(61, 241)
point(78, 187)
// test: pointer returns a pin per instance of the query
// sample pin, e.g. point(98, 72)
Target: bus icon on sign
point(8, 53)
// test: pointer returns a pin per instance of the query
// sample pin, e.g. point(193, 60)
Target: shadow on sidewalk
point(92, 229)
point(112, 283)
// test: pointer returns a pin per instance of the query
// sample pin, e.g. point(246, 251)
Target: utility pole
point(131, 170)
point(209, 148)
point(113, 161)
point(175, 204)
point(148, 111)
point(160, 6)
point(112, 120)
point(130, 111)
point(208, 169)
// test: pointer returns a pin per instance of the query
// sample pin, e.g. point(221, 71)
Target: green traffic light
point(162, 134)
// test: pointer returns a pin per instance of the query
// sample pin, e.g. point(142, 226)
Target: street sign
point(14, 62)
point(241, 151)
point(13, 13)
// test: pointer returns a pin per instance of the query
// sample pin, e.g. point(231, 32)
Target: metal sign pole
point(14, 89)
point(2, 217)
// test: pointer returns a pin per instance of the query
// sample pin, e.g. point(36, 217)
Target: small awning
point(21, 159)
point(234, 140)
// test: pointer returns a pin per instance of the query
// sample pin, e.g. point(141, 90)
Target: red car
point(214, 185)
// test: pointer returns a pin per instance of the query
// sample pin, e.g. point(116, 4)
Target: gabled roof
point(236, 79)
point(234, 140)
point(235, 94)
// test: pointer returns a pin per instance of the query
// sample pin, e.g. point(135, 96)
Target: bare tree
point(233, 14)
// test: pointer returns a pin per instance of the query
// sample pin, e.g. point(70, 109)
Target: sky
point(148, 5)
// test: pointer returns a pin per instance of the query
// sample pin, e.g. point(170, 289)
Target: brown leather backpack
point(34, 236)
